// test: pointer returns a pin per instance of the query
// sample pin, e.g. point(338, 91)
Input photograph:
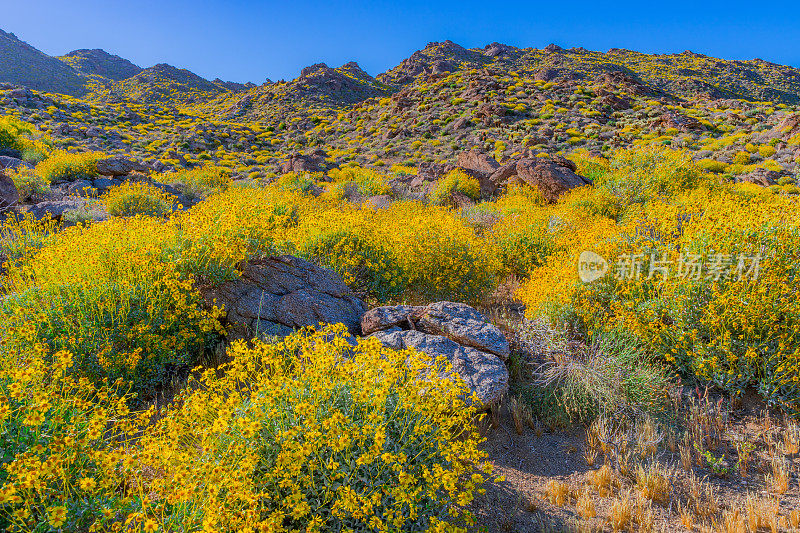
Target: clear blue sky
point(250, 40)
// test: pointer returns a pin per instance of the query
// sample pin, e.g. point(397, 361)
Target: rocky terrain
point(359, 294)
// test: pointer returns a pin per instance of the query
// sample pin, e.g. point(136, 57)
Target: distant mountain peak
point(98, 62)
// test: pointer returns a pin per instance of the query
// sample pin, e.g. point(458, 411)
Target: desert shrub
point(614, 375)
point(69, 166)
point(111, 295)
point(233, 226)
point(709, 323)
point(301, 436)
point(28, 182)
point(712, 165)
point(131, 199)
point(296, 182)
point(12, 133)
point(364, 264)
point(198, 183)
point(22, 235)
point(522, 241)
point(455, 180)
point(439, 254)
point(641, 173)
point(310, 433)
point(366, 181)
point(53, 433)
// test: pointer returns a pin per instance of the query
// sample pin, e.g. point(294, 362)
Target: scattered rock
point(312, 162)
point(55, 208)
point(760, 176)
point(275, 295)
point(465, 325)
point(381, 318)
point(552, 176)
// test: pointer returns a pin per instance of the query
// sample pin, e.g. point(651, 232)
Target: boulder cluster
point(279, 294)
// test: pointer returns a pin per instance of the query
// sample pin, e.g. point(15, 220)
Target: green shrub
point(28, 182)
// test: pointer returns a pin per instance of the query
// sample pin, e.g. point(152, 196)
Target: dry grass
point(558, 493)
point(654, 483)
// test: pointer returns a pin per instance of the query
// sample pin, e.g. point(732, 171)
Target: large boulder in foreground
point(484, 373)
point(474, 346)
point(276, 295)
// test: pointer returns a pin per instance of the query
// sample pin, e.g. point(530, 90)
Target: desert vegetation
point(144, 386)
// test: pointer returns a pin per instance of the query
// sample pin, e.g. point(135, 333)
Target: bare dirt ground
point(531, 461)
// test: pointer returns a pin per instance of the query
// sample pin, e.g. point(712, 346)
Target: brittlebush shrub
point(307, 435)
point(57, 471)
point(69, 166)
point(131, 199)
point(733, 331)
point(112, 295)
point(28, 182)
point(12, 133)
point(198, 183)
point(455, 180)
point(366, 181)
point(313, 435)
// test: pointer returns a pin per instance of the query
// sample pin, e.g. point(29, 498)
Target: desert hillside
point(490, 289)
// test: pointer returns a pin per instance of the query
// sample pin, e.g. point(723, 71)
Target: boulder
point(476, 160)
point(119, 166)
point(55, 208)
point(760, 176)
point(12, 162)
point(81, 188)
point(381, 318)
point(312, 162)
point(484, 374)
point(552, 176)
point(380, 201)
point(278, 294)
point(9, 195)
point(475, 347)
point(465, 325)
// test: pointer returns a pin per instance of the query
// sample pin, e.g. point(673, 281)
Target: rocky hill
point(98, 62)
point(22, 64)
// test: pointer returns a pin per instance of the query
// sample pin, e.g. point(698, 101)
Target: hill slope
point(100, 63)
point(22, 64)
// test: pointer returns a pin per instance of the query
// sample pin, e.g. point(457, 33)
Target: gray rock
point(12, 162)
point(81, 188)
point(9, 195)
point(103, 184)
point(119, 166)
point(55, 208)
point(281, 293)
point(552, 176)
point(383, 318)
point(483, 373)
point(465, 325)
point(381, 201)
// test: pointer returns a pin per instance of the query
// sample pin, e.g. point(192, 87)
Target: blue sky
point(250, 40)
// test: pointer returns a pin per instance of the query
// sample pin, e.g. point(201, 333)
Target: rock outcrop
point(475, 348)
point(279, 294)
